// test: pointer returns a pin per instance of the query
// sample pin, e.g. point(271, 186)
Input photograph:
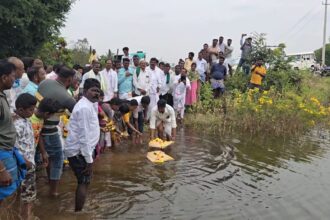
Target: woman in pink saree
point(192, 93)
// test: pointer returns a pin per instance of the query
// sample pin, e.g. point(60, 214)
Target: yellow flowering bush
point(272, 112)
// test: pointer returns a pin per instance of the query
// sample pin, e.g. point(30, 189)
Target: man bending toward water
point(163, 119)
point(84, 133)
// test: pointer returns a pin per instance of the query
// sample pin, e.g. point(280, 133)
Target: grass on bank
point(292, 103)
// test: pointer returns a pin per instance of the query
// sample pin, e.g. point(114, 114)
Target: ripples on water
point(211, 178)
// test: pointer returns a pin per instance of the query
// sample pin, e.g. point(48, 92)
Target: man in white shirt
point(163, 119)
point(179, 94)
point(94, 73)
point(167, 85)
point(228, 55)
point(141, 79)
point(155, 81)
point(16, 89)
point(135, 63)
point(83, 136)
point(201, 67)
point(214, 52)
point(111, 79)
point(126, 55)
point(221, 45)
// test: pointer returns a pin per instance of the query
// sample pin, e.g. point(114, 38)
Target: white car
point(303, 61)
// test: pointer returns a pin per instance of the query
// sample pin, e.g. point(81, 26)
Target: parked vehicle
point(302, 61)
point(325, 71)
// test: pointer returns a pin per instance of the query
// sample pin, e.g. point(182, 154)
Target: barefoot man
point(84, 133)
point(163, 119)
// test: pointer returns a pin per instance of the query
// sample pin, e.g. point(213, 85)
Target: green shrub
point(283, 80)
point(238, 81)
point(289, 106)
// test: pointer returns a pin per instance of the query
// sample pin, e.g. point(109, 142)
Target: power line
point(293, 27)
point(304, 25)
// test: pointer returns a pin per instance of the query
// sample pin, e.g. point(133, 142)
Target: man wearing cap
point(246, 48)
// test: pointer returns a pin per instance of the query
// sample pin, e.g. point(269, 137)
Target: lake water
point(212, 177)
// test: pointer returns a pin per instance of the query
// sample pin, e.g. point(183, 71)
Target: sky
point(169, 29)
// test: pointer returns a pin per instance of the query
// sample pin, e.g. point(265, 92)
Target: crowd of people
point(49, 114)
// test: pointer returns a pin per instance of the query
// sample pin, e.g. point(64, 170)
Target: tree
point(80, 52)
point(260, 49)
point(27, 24)
point(55, 51)
point(104, 58)
point(279, 60)
point(276, 58)
point(318, 54)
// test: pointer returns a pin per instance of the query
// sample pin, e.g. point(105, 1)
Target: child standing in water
point(25, 105)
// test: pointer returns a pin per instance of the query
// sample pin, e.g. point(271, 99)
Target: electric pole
point(324, 31)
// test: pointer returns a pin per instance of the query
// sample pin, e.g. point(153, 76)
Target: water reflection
point(212, 177)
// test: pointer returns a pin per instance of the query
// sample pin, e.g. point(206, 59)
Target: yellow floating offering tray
point(109, 127)
point(159, 143)
point(124, 134)
point(158, 156)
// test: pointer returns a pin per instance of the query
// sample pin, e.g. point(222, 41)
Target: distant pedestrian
point(36, 76)
point(191, 95)
point(214, 52)
point(201, 67)
point(166, 86)
point(136, 62)
point(229, 55)
point(258, 73)
point(205, 53)
point(126, 55)
point(189, 61)
point(125, 80)
point(221, 44)
point(246, 48)
point(141, 79)
point(218, 74)
point(180, 88)
point(155, 75)
point(111, 79)
point(93, 57)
